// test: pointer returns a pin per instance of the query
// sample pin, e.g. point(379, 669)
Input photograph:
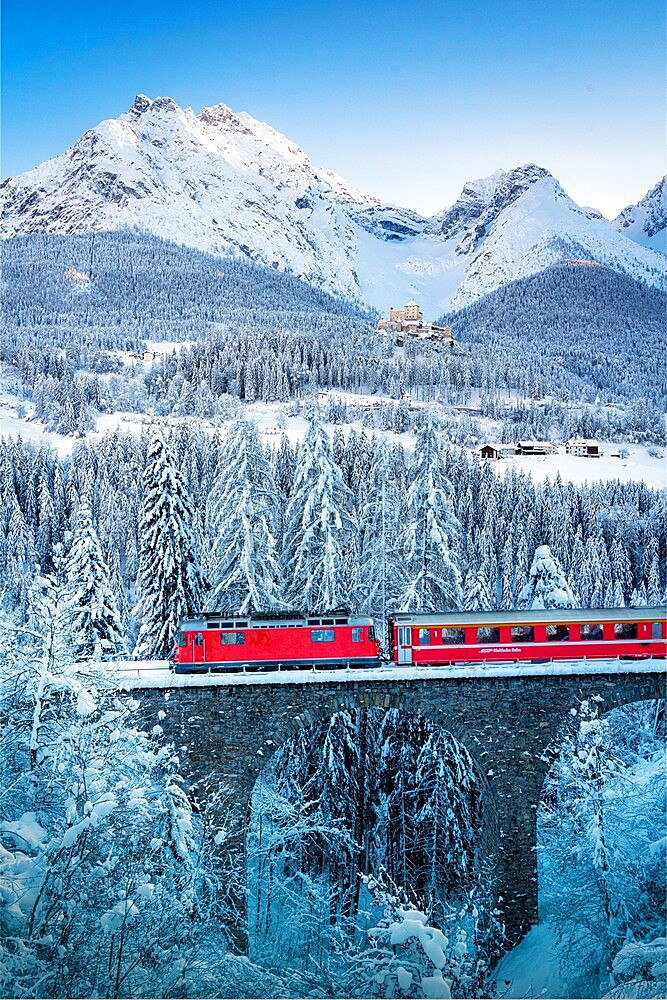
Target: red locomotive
point(337, 639)
point(215, 641)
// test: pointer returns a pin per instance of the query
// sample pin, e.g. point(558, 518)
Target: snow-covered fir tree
point(547, 586)
point(430, 532)
point(170, 581)
point(242, 517)
point(382, 576)
point(318, 528)
point(90, 613)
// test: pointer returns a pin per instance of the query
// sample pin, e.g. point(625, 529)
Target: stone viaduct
point(227, 729)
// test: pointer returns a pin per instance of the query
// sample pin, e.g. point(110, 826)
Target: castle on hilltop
point(410, 320)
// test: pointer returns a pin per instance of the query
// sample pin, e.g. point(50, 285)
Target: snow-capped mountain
point(225, 182)
point(646, 222)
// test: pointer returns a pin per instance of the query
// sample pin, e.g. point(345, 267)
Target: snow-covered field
point(639, 466)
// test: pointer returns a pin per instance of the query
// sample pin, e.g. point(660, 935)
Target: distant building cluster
point(410, 320)
point(575, 446)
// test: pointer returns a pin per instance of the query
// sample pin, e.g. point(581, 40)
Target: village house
point(537, 448)
point(492, 452)
point(583, 448)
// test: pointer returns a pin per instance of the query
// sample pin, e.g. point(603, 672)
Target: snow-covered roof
point(532, 617)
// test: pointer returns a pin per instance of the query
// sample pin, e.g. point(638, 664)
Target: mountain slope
point(226, 183)
point(583, 331)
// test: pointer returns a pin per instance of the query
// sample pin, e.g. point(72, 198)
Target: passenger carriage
point(534, 636)
point(214, 641)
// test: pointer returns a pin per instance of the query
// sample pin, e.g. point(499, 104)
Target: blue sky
point(469, 85)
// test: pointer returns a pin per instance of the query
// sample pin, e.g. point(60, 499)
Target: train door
point(198, 648)
point(404, 644)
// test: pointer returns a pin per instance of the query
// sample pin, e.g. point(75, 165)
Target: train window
point(180, 639)
point(212, 625)
point(322, 635)
point(327, 621)
point(488, 634)
point(591, 632)
point(453, 636)
point(226, 624)
point(558, 633)
point(424, 636)
point(625, 630)
point(313, 621)
point(371, 633)
point(656, 630)
point(232, 638)
point(523, 633)
point(341, 621)
point(357, 635)
point(199, 639)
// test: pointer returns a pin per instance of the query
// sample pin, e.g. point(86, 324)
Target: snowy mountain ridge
point(646, 222)
point(227, 183)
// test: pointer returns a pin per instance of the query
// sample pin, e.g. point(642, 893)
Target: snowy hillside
point(646, 222)
point(227, 183)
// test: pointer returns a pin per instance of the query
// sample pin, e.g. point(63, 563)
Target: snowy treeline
point(601, 856)
point(72, 304)
point(354, 522)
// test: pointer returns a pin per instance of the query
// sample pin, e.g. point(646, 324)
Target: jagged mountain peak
point(646, 222)
point(482, 201)
point(141, 104)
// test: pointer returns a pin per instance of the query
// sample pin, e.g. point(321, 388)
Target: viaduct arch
point(226, 730)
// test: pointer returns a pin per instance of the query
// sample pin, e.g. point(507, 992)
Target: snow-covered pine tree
point(170, 579)
point(547, 586)
point(381, 568)
point(430, 531)
point(476, 591)
point(318, 525)
point(241, 515)
point(90, 611)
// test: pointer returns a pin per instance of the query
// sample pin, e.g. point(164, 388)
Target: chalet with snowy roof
point(583, 448)
point(410, 321)
point(536, 448)
point(492, 452)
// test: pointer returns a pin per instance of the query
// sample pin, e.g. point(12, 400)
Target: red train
point(337, 639)
point(273, 641)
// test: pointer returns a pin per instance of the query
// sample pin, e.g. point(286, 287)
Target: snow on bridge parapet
point(145, 674)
